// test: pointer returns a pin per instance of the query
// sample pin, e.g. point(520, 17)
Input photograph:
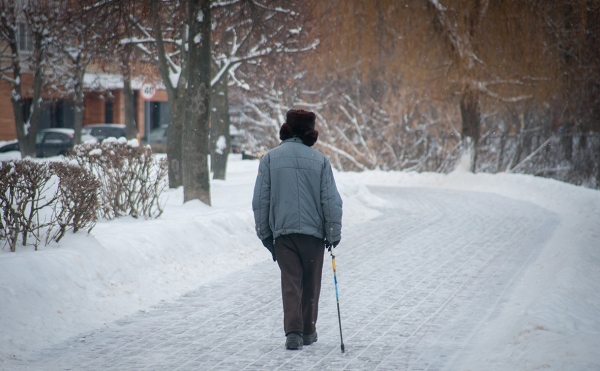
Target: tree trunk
point(17, 103)
point(503, 137)
point(27, 129)
point(567, 141)
point(177, 94)
point(196, 177)
point(78, 114)
point(17, 98)
point(471, 118)
point(34, 120)
point(174, 141)
point(519, 143)
point(130, 126)
point(16, 87)
point(220, 140)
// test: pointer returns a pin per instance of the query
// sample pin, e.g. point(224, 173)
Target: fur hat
point(300, 124)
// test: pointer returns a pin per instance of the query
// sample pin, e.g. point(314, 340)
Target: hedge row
point(41, 201)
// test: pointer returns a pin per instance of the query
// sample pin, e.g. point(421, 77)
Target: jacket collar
point(292, 140)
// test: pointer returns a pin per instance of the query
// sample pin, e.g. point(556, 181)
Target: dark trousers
point(300, 258)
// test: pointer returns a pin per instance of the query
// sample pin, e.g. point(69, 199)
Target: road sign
point(148, 91)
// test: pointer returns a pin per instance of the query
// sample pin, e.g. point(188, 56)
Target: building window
point(108, 111)
point(63, 114)
point(159, 114)
point(56, 114)
point(24, 37)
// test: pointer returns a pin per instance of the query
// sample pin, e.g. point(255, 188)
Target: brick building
point(104, 103)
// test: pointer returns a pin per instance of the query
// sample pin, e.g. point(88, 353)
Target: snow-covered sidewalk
point(458, 272)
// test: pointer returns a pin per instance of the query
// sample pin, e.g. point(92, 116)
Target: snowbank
point(10, 156)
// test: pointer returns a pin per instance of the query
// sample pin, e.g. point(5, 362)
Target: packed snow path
point(415, 283)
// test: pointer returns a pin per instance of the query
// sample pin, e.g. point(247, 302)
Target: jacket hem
point(292, 231)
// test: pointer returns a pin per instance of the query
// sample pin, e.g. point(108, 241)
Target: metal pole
point(337, 299)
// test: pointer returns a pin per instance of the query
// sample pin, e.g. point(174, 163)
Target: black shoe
point(309, 339)
point(293, 341)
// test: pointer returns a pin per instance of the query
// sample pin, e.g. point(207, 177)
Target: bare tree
point(172, 59)
point(182, 35)
point(249, 33)
point(75, 47)
point(466, 28)
point(410, 84)
point(25, 40)
point(133, 54)
point(123, 46)
point(574, 31)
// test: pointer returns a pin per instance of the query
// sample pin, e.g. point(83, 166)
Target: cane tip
point(343, 348)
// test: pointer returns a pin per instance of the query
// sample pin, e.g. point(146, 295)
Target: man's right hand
point(329, 245)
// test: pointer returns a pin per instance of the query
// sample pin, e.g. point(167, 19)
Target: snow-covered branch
point(136, 40)
point(312, 46)
point(9, 79)
point(450, 29)
point(516, 99)
point(276, 9)
point(222, 4)
point(343, 153)
point(528, 158)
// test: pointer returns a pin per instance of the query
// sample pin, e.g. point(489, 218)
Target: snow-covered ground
point(128, 264)
point(548, 318)
point(552, 319)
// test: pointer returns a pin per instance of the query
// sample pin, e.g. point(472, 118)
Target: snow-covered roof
point(106, 81)
point(108, 124)
point(102, 81)
point(60, 130)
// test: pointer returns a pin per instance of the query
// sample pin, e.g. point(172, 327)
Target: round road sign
point(148, 91)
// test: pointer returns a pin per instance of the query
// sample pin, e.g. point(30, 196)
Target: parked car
point(57, 141)
point(50, 142)
point(12, 145)
point(103, 131)
point(157, 139)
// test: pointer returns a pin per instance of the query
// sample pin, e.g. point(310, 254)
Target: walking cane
point(337, 299)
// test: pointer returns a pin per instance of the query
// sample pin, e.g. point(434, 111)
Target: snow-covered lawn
point(550, 318)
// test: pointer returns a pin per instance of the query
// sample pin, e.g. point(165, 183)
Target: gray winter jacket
point(295, 193)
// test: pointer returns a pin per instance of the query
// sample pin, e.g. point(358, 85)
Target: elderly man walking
point(298, 212)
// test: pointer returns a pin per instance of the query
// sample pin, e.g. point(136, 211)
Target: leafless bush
point(24, 192)
point(358, 129)
point(131, 178)
point(77, 200)
point(108, 180)
point(570, 157)
point(9, 229)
